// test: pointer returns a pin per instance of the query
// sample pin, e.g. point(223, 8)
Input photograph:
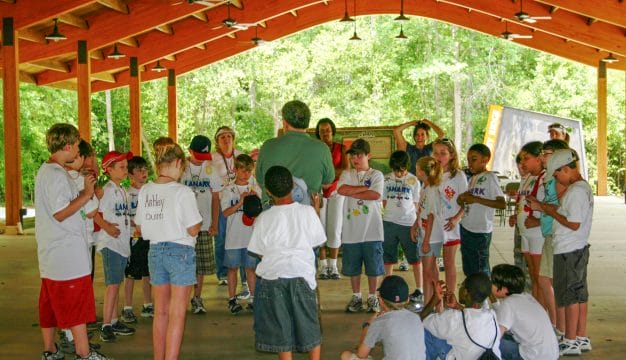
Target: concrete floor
point(218, 335)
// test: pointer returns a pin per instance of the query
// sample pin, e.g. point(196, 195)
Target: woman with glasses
point(421, 134)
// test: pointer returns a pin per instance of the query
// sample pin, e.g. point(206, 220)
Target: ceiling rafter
point(612, 12)
point(24, 16)
point(116, 5)
point(32, 35)
point(131, 41)
point(166, 29)
point(200, 16)
point(52, 65)
point(74, 20)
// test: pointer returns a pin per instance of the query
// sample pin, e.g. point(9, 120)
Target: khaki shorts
point(547, 257)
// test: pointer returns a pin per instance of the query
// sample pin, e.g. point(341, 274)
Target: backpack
point(488, 354)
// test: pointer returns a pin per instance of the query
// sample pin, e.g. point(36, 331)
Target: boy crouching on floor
point(286, 314)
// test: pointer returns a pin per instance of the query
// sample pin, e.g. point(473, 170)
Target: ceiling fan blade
point(542, 17)
point(529, 20)
point(518, 36)
point(217, 27)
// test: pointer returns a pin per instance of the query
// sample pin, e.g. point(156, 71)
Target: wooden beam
point(28, 78)
point(116, 5)
point(11, 113)
point(71, 19)
point(96, 54)
point(131, 41)
point(166, 29)
point(55, 65)
point(170, 57)
point(25, 16)
point(32, 35)
point(200, 46)
point(134, 89)
point(200, 16)
point(601, 128)
point(84, 91)
point(172, 120)
point(609, 11)
point(106, 77)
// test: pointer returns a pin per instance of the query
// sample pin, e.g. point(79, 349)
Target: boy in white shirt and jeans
point(362, 232)
point(284, 236)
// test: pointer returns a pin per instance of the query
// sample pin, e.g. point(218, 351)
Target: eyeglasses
point(546, 152)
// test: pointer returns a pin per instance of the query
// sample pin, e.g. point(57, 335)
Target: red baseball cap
point(114, 156)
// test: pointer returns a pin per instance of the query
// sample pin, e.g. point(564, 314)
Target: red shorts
point(66, 303)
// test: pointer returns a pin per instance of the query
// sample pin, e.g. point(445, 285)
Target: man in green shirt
point(306, 158)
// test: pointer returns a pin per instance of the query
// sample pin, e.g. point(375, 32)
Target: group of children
point(168, 223)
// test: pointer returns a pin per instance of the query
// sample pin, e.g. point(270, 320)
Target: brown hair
point(431, 168)
point(453, 165)
point(166, 151)
point(60, 135)
point(244, 161)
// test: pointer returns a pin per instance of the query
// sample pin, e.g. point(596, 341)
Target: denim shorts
point(369, 253)
point(236, 258)
point(172, 263)
point(114, 265)
point(395, 235)
point(285, 316)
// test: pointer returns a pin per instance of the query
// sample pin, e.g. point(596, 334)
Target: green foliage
point(379, 80)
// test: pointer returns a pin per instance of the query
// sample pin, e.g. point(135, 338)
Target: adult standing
point(330, 213)
point(421, 134)
point(224, 164)
point(306, 158)
point(558, 132)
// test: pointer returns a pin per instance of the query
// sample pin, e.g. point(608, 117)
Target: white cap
point(558, 159)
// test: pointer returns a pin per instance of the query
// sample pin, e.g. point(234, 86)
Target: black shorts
point(570, 277)
point(137, 267)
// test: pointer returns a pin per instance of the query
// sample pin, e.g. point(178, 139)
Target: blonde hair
point(392, 305)
point(454, 164)
point(431, 168)
point(166, 151)
point(60, 135)
point(244, 161)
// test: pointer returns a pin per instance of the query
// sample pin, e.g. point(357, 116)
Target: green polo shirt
point(306, 158)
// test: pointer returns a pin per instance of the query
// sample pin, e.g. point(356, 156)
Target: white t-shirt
point(225, 169)
point(62, 247)
point(576, 206)
point(91, 205)
point(401, 194)
point(363, 220)
point(448, 325)
point(523, 316)
point(479, 218)
point(529, 183)
point(430, 203)
point(450, 188)
point(165, 211)
point(133, 196)
point(237, 233)
point(401, 333)
point(114, 209)
point(203, 180)
point(285, 236)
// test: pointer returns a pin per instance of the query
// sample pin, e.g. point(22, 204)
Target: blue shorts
point(236, 258)
point(395, 235)
point(285, 316)
point(435, 249)
point(172, 263)
point(369, 253)
point(113, 265)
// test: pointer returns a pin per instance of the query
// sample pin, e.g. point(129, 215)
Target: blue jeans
point(509, 348)
point(436, 348)
point(220, 242)
point(475, 252)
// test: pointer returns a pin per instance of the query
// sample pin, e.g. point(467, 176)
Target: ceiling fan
point(525, 17)
point(232, 23)
point(507, 35)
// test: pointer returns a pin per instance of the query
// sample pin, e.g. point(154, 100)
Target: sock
point(251, 299)
point(420, 289)
point(105, 325)
point(581, 338)
point(371, 296)
point(114, 321)
point(233, 298)
point(333, 263)
point(147, 305)
point(357, 295)
point(68, 334)
point(323, 264)
point(128, 307)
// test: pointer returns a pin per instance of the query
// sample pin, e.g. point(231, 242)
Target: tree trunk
point(109, 115)
point(456, 81)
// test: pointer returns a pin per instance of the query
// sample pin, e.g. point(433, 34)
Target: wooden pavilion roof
point(188, 34)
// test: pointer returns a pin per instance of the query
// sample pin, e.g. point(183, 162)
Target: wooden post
point(602, 150)
point(84, 91)
point(135, 110)
point(172, 121)
point(12, 146)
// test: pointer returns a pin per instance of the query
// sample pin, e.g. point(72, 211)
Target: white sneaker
point(583, 343)
point(569, 348)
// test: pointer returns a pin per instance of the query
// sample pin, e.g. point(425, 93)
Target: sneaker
point(58, 355)
point(404, 266)
point(244, 294)
point(372, 304)
point(355, 304)
point(128, 316)
point(569, 347)
point(68, 347)
point(324, 273)
point(93, 355)
point(250, 305)
point(147, 311)
point(583, 343)
point(197, 307)
point(440, 264)
point(119, 328)
point(234, 307)
point(107, 334)
point(222, 282)
point(333, 274)
point(417, 297)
